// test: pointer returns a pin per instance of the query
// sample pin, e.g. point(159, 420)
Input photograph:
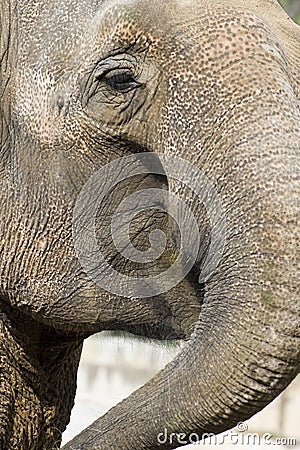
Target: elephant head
point(198, 102)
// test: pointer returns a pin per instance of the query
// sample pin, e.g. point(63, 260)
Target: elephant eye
point(121, 80)
point(118, 74)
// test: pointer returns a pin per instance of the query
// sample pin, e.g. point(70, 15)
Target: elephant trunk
point(245, 348)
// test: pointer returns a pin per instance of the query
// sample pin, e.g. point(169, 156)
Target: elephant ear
point(8, 56)
point(7, 12)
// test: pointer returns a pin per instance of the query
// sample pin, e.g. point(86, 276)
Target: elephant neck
point(38, 382)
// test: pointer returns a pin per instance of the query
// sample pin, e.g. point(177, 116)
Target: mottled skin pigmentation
point(214, 82)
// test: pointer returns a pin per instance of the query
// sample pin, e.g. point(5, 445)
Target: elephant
point(198, 104)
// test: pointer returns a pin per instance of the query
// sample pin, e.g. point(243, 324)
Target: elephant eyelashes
point(121, 80)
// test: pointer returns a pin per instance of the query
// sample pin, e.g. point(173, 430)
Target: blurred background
point(113, 366)
point(292, 7)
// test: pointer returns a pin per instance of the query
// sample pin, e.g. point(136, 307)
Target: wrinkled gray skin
point(214, 82)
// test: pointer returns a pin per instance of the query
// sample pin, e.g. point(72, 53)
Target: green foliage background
point(293, 8)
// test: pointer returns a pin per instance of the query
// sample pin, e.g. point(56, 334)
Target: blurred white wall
point(112, 367)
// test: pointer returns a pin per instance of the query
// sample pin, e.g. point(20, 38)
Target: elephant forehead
point(59, 45)
point(197, 37)
point(189, 40)
point(62, 38)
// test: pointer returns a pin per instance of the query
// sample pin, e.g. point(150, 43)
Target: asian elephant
point(211, 88)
